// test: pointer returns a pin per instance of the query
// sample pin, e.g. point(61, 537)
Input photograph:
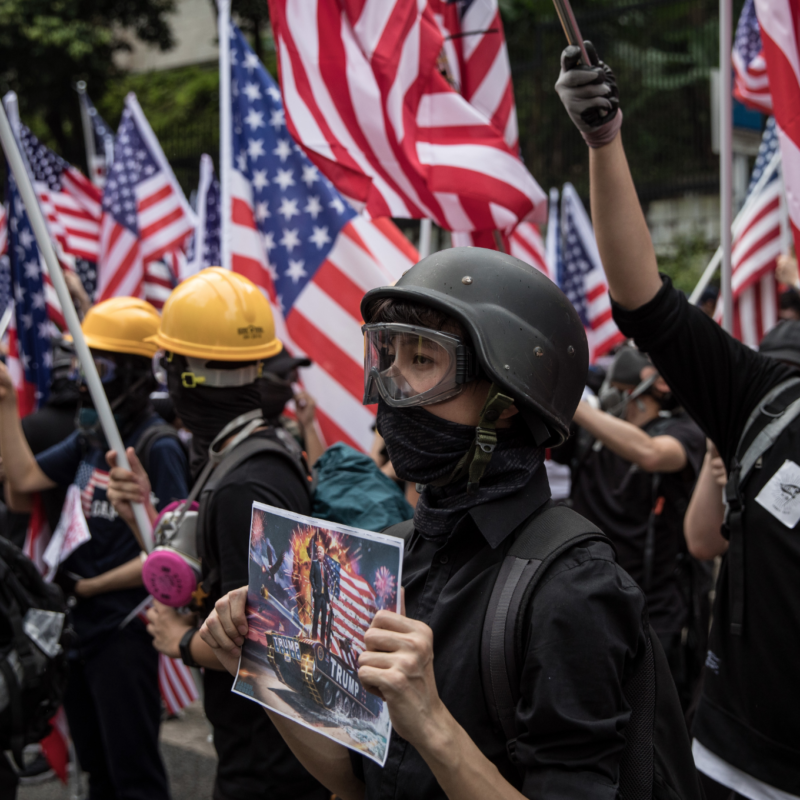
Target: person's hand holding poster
point(314, 589)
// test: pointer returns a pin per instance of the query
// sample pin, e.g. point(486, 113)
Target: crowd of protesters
point(626, 681)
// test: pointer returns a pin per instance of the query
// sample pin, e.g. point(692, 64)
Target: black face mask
point(424, 448)
point(276, 392)
point(205, 411)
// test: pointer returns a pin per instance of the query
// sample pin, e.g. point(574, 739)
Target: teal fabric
point(352, 490)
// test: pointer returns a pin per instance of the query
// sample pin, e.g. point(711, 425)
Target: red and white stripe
point(755, 311)
point(99, 480)
point(526, 244)
point(73, 214)
point(365, 98)
point(3, 230)
point(352, 612)
point(159, 278)
point(176, 683)
point(780, 35)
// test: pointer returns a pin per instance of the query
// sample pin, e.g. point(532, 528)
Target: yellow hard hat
point(218, 315)
point(121, 325)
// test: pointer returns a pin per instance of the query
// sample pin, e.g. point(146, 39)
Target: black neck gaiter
point(423, 448)
point(205, 411)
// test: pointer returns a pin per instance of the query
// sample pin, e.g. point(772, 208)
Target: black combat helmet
point(528, 338)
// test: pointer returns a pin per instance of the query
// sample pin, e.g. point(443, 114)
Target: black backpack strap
point(544, 537)
point(149, 437)
point(769, 419)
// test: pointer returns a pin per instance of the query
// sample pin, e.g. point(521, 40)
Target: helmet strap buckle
point(190, 381)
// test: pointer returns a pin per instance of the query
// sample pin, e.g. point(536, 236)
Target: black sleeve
point(718, 380)
point(267, 478)
point(586, 633)
point(693, 442)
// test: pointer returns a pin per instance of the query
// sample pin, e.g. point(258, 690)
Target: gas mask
point(627, 369)
point(172, 572)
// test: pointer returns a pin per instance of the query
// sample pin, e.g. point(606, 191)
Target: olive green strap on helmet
point(480, 454)
point(475, 461)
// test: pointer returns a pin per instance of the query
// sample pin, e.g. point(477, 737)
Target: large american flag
point(297, 238)
point(581, 277)
point(145, 213)
point(353, 605)
point(103, 139)
point(757, 243)
point(780, 31)
point(372, 94)
point(751, 82)
point(69, 201)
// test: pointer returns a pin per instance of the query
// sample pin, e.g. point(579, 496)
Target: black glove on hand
point(590, 95)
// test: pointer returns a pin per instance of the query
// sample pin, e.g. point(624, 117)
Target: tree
point(46, 46)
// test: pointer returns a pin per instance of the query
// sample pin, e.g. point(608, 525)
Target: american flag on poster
point(370, 93)
point(581, 276)
point(780, 35)
point(751, 82)
point(757, 243)
point(353, 605)
point(69, 201)
point(145, 213)
point(296, 237)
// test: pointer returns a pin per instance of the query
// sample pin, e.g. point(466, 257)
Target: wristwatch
point(185, 648)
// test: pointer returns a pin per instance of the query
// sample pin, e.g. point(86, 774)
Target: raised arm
point(591, 98)
point(703, 521)
point(23, 474)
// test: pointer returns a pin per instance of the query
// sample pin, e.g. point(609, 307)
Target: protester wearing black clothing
point(747, 728)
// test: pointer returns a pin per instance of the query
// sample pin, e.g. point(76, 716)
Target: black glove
point(590, 95)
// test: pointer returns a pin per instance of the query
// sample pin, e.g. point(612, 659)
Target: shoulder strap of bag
point(149, 437)
point(548, 534)
point(776, 411)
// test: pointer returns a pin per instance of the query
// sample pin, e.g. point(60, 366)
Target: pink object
point(169, 578)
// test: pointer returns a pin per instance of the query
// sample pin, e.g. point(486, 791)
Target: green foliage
point(46, 46)
point(686, 264)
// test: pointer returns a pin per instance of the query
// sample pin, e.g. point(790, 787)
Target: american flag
point(87, 480)
point(295, 237)
point(757, 243)
point(371, 94)
point(353, 605)
point(207, 242)
point(69, 201)
point(751, 82)
point(30, 356)
point(145, 213)
point(160, 277)
point(581, 276)
point(87, 272)
point(103, 139)
point(780, 32)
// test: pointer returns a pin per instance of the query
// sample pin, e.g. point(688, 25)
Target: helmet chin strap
point(476, 460)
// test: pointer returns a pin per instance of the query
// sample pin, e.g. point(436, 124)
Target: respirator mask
point(626, 368)
point(172, 572)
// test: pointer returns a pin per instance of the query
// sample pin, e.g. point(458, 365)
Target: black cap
point(283, 363)
point(783, 342)
point(627, 366)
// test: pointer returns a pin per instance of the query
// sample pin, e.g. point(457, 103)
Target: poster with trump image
point(314, 589)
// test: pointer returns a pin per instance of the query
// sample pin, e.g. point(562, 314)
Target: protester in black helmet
point(216, 335)
point(635, 461)
point(477, 362)
point(747, 731)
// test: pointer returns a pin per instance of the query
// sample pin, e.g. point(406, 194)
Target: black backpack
point(34, 638)
point(657, 761)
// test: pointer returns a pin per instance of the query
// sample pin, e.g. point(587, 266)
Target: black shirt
point(619, 498)
point(254, 761)
point(748, 712)
point(585, 637)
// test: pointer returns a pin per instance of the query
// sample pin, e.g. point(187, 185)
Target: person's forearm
point(703, 521)
point(314, 446)
point(461, 769)
point(16, 502)
point(623, 238)
point(326, 760)
point(125, 576)
point(23, 474)
point(650, 454)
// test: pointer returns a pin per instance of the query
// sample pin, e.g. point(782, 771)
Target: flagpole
point(424, 248)
point(225, 130)
point(708, 274)
point(726, 160)
point(25, 186)
point(88, 133)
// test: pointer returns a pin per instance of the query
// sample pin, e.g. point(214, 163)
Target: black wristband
point(185, 648)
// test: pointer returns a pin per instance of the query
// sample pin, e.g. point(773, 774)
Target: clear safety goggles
point(405, 365)
point(198, 374)
point(106, 369)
